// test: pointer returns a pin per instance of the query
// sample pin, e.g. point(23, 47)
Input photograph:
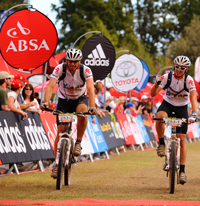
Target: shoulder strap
point(64, 72)
point(168, 80)
point(81, 72)
point(185, 87)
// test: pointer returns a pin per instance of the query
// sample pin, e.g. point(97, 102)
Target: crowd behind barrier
point(33, 139)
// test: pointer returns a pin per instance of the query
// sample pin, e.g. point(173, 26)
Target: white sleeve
point(163, 80)
point(57, 72)
point(190, 83)
point(112, 105)
point(87, 73)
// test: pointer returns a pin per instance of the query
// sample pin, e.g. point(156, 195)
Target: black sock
point(182, 169)
point(161, 141)
point(78, 141)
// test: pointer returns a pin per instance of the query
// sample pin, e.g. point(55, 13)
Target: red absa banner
point(27, 39)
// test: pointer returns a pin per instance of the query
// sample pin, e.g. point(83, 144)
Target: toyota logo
point(126, 69)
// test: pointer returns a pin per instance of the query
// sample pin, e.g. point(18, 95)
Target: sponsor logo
point(97, 57)
point(11, 138)
point(126, 69)
point(105, 127)
point(24, 45)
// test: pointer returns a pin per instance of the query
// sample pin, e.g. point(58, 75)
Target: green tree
point(5, 4)
point(114, 17)
point(189, 44)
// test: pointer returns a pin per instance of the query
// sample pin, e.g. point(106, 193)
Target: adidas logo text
point(97, 57)
point(96, 62)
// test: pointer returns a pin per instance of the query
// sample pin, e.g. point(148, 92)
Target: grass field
point(131, 175)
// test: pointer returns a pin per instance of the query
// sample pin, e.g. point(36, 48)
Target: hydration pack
point(169, 79)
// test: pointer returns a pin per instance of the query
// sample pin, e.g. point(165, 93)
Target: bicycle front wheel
point(172, 167)
point(68, 171)
point(61, 165)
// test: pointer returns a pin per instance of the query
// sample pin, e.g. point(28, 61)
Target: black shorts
point(180, 112)
point(69, 106)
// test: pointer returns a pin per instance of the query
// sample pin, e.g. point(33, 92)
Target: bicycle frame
point(169, 143)
point(172, 157)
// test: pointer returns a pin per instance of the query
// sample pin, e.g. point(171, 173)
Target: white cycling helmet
point(73, 54)
point(183, 61)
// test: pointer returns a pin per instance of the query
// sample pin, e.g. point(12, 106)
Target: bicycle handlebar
point(56, 112)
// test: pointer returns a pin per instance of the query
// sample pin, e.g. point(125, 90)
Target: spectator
point(29, 96)
point(110, 99)
point(143, 102)
point(23, 106)
point(120, 108)
point(13, 104)
point(100, 112)
point(37, 97)
point(5, 81)
point(137, 109)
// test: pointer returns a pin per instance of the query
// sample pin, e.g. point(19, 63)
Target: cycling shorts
point(69, 106)
point(180, 112)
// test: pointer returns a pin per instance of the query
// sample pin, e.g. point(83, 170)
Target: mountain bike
point(172, 157)
point(65, 158)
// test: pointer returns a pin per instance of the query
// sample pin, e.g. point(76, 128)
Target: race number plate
point(62, 118)
point(174, 122)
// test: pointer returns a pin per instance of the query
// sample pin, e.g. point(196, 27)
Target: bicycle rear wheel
point(172, 167)
point(61, 165)
point(68, 171)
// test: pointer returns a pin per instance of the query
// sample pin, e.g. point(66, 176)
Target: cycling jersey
point(177, 85)
point(72, 86)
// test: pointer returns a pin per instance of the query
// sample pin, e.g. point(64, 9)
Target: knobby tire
point(61, 169)
point(68, 171)
point(172, 170)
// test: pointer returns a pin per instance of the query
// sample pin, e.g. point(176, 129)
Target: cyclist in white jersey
point(72, 95)
point(175, 101)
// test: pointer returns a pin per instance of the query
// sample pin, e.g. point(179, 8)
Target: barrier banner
point(50, 126)
point(117, 130)
point(96, 137)
point(192, 131)
point(142, 128)
point(135, 130)
point(107, 131)
point(153, 126)
point(126, 129)
point(23, 140)
point(149, 129)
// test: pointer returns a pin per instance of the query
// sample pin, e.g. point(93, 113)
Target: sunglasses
point(29, 89)
point(182, 68)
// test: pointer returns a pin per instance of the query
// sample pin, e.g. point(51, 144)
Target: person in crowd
point(149, 107)
point(72, 95)
point(120, 108)
point(29, 96)
point(37, 97)
point(112, 104)
point(5, 82)
point(143, 102)
point(180, 90)
point(13, 104)
point(100, 112)
point(20, 98)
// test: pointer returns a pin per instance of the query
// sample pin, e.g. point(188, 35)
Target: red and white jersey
point(177, 85)
point(72, 86)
